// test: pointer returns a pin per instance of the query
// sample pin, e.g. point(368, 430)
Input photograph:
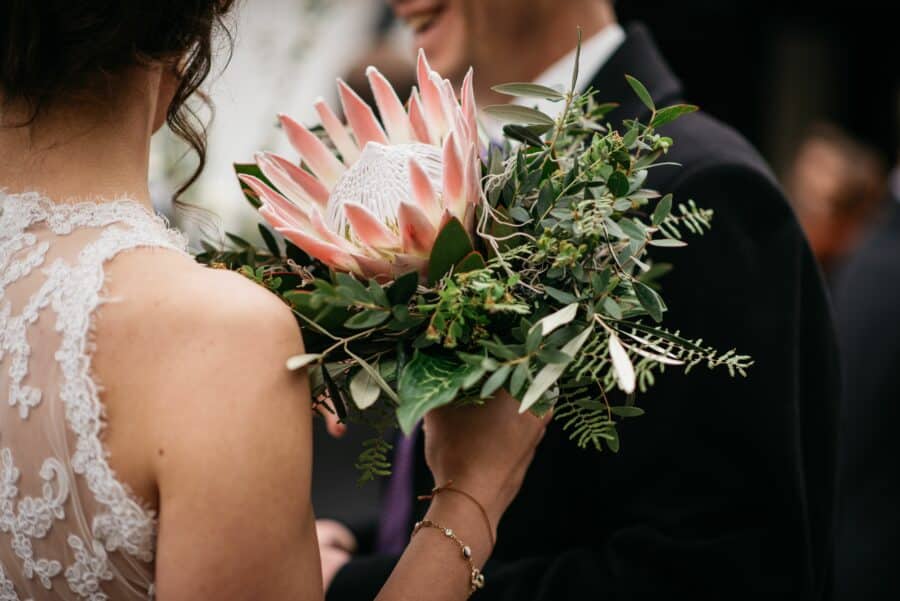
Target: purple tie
point(393, 524)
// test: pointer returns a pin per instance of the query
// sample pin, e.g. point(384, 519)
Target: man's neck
point(525, 59)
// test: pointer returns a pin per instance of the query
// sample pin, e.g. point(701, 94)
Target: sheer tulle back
point(68, 528)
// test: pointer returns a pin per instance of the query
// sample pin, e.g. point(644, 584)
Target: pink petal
point(417, 118)
point(269, 197)
point(394, 116)
point(337, 132)
point(368, 228)
point(452, 111)
point(431, 98)
point(454, 178)
point(361, 117)
point(423, 192)
point(403, 264)
point(374, 268)
point(322, 162)
point(416, 230)
point(473, 176)
point(327, 234)
point(293, 180)
point(329, 254)
point(468, 106)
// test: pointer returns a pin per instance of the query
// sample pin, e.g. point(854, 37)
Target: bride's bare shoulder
point(173, 303)
point(175, 338)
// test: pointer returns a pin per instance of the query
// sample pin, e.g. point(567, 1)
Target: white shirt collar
point(595, 51)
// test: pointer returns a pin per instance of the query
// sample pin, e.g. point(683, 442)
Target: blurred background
point(813, 88)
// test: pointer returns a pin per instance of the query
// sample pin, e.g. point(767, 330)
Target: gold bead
point(448, 532)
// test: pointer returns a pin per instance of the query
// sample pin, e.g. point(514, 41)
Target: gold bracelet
point(476, 579)
point(448, 487)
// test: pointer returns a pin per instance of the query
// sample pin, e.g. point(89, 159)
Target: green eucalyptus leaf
point(451, 246)
point(364, 390)
point(560, 295)
point(520, 214)
point(369, 318)
point(497, 379)
point(557, 319)
point(671, 113)
point(618, 184)
point(612, 308)
point(667, 243)
point(335, 392)
point(641, 92)
point(549, 355)
point(527, 134)
point(427, 383)
point(471, 262)
point(614, 230)
point(473, 377)
point(632, 229)
point(631, 137)
point(529, 90)
point(378, 294)
point(403, 288)
point(239, 241)
point(550, 373)
point(649, 299)
point(518, 379)
point(663, 208)
point(627, 411)
point(270, 241)
point(376, 376)
point(352, 288)
point(521, 115)
point(300, 361)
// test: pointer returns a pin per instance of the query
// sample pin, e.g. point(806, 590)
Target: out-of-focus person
point(867, 306)
point(837, 186)
point(724, 489)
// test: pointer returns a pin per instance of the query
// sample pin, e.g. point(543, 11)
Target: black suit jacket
point(867, 534)
point(724, 488)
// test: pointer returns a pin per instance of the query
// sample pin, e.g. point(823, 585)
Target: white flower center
point(379, 181)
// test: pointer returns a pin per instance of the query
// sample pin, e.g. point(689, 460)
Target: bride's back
point(68, 524)
point(126, 395)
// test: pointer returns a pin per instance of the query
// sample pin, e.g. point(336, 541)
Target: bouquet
point(428, 268)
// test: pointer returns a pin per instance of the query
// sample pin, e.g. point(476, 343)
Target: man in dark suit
point(724, 489)
point(867, 309)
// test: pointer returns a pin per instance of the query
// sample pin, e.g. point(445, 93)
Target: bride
point(152, 443)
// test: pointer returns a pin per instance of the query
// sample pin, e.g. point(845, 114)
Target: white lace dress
point(68, 528)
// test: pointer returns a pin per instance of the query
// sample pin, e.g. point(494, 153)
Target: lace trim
point(126, 525)
point(13, 330)
point(20, 211)
point(75, 293)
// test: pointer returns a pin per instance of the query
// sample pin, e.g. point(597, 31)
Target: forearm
point(433, 567)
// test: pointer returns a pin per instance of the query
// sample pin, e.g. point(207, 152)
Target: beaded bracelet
point(476, 579)
point(448, 487)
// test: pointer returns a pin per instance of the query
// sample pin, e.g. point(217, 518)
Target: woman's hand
point(484, 450)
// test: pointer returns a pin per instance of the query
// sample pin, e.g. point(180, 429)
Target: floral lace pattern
point(68, 297)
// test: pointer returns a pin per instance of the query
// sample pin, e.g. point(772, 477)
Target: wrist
point(465, 519)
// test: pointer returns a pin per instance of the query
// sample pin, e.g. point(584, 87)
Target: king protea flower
point(377, 208)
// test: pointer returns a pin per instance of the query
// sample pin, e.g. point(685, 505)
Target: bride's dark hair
point(54, 49)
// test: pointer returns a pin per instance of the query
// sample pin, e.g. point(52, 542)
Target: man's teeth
point(421, 21)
